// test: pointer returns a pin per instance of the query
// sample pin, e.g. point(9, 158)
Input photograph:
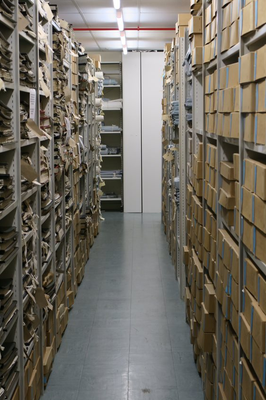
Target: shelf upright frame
point(182, 163)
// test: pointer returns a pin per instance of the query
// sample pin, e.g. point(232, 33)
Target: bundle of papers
point(174, 112)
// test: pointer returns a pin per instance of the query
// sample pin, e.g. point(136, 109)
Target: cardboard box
point(208, 15)
point(254, 176)
point(197, 56)
point(244, 334)
point(247, 19)
point(246, 65)
point(262, 293)
point(205, 341)
point(209, 298)
point(226, 11)
point(227, 170)
point(260, 129)
point(235, 11)
point(234, 38)
point(183, 19)
point(47, 360)
point(249, 127)
point(228, 187)
point(226, 200)
point(229, 76)
point(194, 25)
point(260, 96)
point(260, 14)
point(254, 239)
point(207, 53)
point(258, 326)
point(207, 320)
point(196, 41)
point(209, 84)
point(213, 29)
point(208, 37)
point(247, 204)
point(260, 71)
point(248, 98)
point(225, 40)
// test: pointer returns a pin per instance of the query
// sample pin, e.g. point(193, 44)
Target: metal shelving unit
point(43, 270)
point(113, 116)
point(203, 249)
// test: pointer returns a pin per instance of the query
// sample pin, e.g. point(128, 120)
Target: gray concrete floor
point(127, 338)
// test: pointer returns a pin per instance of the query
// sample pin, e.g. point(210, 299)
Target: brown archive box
point(246, 65)
point(248, 18)
point(254, 177)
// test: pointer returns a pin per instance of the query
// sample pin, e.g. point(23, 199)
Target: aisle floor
point(127, 338)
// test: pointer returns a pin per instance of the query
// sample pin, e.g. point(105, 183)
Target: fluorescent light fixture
point(123, 38)
point(125, 50)
point(120, 21)
point(116, 4)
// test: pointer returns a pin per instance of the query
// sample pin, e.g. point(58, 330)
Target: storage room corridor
point(127, 338)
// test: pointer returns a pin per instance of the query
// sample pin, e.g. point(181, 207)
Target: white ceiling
point(99, 14)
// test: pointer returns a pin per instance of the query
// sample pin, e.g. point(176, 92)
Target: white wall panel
point(151, 76)
point(132, 132)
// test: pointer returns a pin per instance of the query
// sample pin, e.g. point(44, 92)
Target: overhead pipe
point(126, 29)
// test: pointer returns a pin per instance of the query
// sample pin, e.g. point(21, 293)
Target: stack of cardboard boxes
point(253, 207)
point(210, 44)
point(211, 181)
point(253, 89)
point(195, 37)
point(252, 16)
point(229, 107)
point(195, 6)
point(33, 376)
point(252, 331)
point(228, 195)
point(211, 103)
point(230, 24)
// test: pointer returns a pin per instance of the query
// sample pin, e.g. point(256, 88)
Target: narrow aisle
point(127, 338)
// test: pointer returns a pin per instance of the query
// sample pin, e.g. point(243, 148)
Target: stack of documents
point(111, 174)
point(45, 122)
point(28, 218)
point(174, 112)
point(8, 369)
point(27, 77)
point(110, 82)
point(5, 58)
point(28, 18)
point(49, 284)
point(28, 173)
point(59, 232)
point(110, 195)
point(7, 8)
point(112, 104)
point(6, 187)
point(6, 132)
point(24, 115)
point(111, 128)
point(44, 165)
point(8, 242)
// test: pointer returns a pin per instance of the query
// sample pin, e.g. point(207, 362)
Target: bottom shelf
point(111, 199)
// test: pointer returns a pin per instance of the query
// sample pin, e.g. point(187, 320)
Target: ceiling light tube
point(120, 21)
point(123, 38)
point(116, 4)
point(125, 50)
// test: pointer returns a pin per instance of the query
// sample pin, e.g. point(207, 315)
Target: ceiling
point(96, 14)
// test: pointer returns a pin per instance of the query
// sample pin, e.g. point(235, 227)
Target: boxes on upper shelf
point(247, 18)
point(229, 76)
point(195, 26)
